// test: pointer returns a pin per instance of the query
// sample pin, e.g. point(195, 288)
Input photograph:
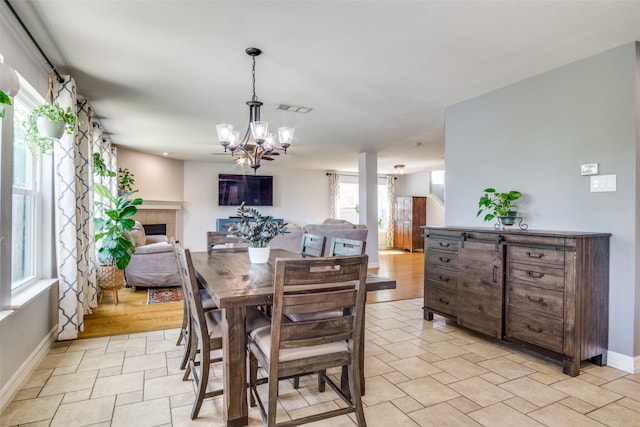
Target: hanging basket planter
point(50, 129)
point(48, 123)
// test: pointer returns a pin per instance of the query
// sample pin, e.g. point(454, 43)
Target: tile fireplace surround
point(153, 212)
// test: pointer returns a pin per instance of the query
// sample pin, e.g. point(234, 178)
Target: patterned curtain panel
point(334, 192)
point(391, 189)
point(74, 216)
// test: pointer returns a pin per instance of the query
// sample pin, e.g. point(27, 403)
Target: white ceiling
point(378, 74)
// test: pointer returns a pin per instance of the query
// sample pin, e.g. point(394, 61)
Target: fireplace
point(154, 229)
point(159, 221)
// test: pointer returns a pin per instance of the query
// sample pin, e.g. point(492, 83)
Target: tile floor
point(418, 373)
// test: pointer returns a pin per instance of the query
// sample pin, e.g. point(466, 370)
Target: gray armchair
point(154, 263)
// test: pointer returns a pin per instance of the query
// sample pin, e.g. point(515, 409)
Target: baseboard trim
point(14, 384)
point(623, 362)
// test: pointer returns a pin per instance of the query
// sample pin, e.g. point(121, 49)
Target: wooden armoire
point(410, 215)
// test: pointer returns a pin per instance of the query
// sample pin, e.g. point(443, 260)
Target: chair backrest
point(312, 285)
point(312, 245)
point(222, 239)
point(342, 246)
point(190, 290)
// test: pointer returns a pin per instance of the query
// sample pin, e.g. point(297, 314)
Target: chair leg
point(183, 328)
point(356, 398)
point(273, 401)
point(296, 382)
point(321, 383)
point(192, 351)
point(253, 379)
point(115, 296)
point(203, 380)
point(188, 337)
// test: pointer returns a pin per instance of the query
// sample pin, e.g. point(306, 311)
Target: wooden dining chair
point(204, 332)
point(286, 349)
point(207, 304)
point(222, 239)
point(342, 246)
point(339, 246)
point(312, 245)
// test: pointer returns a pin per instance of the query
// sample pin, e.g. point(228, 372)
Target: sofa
point(329, 228)
point(153, 264)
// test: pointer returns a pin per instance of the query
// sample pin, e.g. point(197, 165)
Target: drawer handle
point(535, 274)
point(443, 301)
point(539, 330)
point(443, 259)
point(444, 244)
point(539, 300)
point(443, 278)
point(534, 255)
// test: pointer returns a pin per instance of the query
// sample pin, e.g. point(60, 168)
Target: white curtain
point(334, 193)
point(73, 199)
point(391, 191)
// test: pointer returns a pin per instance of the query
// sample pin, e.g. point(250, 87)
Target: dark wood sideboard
point(545, 290)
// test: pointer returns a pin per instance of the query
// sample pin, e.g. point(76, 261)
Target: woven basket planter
point(110, 277)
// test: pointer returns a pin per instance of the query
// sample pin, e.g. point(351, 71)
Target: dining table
point(235, 283)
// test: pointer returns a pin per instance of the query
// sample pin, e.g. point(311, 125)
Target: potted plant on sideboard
point(499, 205)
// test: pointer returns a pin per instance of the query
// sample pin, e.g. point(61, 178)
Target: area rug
point(163, 295)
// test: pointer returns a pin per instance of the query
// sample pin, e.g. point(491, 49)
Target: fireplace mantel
point(160, 204)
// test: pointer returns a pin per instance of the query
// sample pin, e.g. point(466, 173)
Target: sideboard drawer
point(538, 275)
point(444, 244)
point(538, 330)
point(441, 300)
point(537, 255)
point(538, 301)
point(442, 259)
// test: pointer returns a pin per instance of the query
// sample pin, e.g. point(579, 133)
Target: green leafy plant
point(99, 168)
point(55, 113)
point(497, 204)
point(125, 179)
point(256, 229)
point(4, 100)
point(115, 245)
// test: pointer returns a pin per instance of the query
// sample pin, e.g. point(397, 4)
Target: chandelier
point(258, 143)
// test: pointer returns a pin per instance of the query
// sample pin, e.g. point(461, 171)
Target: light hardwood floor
point(133, 314)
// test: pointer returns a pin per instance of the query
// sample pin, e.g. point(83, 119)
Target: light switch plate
point(601, 183)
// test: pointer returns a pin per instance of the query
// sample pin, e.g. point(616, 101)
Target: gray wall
point(533, 136)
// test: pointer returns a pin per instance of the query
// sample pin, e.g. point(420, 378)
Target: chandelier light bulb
point(233, 141)
point(224, 134)
point(285, 135)
point(259, 131)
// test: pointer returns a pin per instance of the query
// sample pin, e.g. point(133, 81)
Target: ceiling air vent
point(294, 108)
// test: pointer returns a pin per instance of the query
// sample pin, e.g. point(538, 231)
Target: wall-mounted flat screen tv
point(254, 190)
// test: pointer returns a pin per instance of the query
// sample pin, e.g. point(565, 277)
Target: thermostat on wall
point(589, 169)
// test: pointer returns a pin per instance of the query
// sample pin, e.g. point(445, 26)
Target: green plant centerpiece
point(256, 229)
point(47, 123)
point(499, 205)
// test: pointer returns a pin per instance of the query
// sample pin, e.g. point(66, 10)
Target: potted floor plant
point(499, 205)
point(115, 245)
point(258, 231)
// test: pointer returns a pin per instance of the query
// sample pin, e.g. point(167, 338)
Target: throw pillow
point(138, 234)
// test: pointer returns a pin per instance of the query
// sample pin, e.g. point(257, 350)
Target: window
point(25, 224)
point(348, 205)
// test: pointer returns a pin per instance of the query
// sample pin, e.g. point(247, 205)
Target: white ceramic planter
point(50, 129)
point(259, 255)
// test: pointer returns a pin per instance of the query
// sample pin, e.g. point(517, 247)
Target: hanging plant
point(4, 100)
point(47, 123)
